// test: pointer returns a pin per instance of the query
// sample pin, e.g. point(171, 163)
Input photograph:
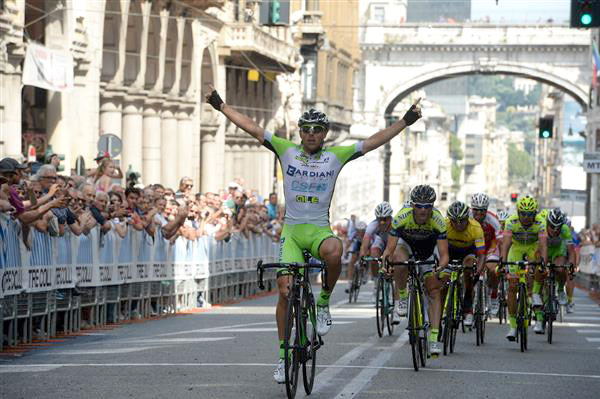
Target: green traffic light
point(586, 18)
point(545, 134)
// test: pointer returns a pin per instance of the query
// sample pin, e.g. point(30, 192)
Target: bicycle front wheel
point(380, 305)
point(522, 317)
point(390, 303)
point(309, 329)
point(447, 334)
point(413, 329)
point(291, 345)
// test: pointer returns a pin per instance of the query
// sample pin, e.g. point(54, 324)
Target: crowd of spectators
point(590, 236)
point(42, 199)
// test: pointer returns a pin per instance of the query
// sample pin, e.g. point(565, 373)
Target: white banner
point(47, 68)
point(591, 162)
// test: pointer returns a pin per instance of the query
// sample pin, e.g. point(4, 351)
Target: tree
point(520, 163)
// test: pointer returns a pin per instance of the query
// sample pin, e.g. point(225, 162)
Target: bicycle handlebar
point(260, 268)
point(370, 259)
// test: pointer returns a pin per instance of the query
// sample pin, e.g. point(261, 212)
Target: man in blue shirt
point(272, 206)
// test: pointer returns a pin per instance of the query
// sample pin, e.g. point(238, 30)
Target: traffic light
point(513, 197)
point(274, 12)
point(545, 127)
point(585, 13)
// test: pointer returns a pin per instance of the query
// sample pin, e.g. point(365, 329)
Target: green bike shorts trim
point(557, 251)
point(517, 253)
point(296, 238)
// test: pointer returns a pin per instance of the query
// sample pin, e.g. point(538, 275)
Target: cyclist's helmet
point(312, 116)
point(406, 204)
point(556, 217)
point(422, 194)
point(457, 211)
point(480, 201)
point(361, 225)
point(383, 210)
point(527, 204)
point(502, 215)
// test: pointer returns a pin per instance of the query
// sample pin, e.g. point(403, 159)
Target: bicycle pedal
point(395, 322)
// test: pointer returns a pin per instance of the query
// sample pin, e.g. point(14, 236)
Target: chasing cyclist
point(466, 244)
point(493, 233)
point(355, 246)
point(310, 171)
point(524, 237)
point(376, 237)
point(419, 232)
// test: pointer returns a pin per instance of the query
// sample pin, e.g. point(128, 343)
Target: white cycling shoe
point(468, 320)
point(435, 348)
point(562, 298)
point(279, 372)
point(401, 307)
point(536, 300)
point(323, 320)
point(538, 329)
point(512, 334)
point(495, 307)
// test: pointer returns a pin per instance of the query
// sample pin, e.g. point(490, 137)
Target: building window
point(379, 14)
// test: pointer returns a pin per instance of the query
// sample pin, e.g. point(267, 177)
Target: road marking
point(567, 324)
point(582, 318)
point(182, 340)
point(589, 331)
point(97, 351)
point(201, 330)
point(592, 339)
point(364, 378)
point(50, 366)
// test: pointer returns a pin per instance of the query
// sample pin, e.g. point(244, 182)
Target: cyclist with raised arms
point(419, 232)
point(466, 244)
point(310, 171)
point(355, 246)
point(524, 238)
point(376, 237)
point(493, 234)
point(561, 251)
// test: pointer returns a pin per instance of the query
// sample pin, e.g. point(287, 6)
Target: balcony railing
point(248, 37)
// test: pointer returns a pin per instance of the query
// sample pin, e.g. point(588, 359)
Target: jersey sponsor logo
point(307, 199)
point(306, 187)
point(297, 172)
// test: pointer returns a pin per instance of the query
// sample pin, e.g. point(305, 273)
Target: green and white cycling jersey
point(309, 179)
point(557, 246)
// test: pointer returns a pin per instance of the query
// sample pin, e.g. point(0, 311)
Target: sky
point(521, 11)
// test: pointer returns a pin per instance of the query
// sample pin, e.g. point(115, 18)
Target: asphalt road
point(230, 352)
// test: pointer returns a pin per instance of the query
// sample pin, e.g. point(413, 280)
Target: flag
point(596, 61)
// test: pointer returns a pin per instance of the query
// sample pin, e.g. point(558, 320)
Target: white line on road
point(589, 331)
point(37, 367)
point(582, 318)
point(97, 351)
point(358, 383)
point(592, 339)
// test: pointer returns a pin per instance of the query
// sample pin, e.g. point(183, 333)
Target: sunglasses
point(423, 206)
point(460, 221)
point(527, 214)
point(312, 129)
point(188, 185)
point(385, 219)
point(479, 210)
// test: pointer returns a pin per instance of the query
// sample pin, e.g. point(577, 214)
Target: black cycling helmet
point(556, 217)
point(458, 211)
point(312, 116)
point(422, 194)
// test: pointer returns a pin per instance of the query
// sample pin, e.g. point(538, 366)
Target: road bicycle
point(301, 340)
point(480, 307)
point(357, 279)
point(418, 318)
point(523, 311)
point(384, 299)
point(552, 309)
point(453, 306)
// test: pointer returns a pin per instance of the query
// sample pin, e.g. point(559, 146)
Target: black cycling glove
point(215, 100)
point(411, 116)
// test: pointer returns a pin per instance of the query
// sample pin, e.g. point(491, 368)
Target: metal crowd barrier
point(59, 285)
point(589, 267)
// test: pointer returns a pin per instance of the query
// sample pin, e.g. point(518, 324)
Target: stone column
point(151, 166)
point(178, 54)
point(168, 150)
point(110, 114)
point(162, 51)
point(210, 180)
point(184, 146)
point(118, 79)
point(131, 134)
point(146, 7)
point(10, 109)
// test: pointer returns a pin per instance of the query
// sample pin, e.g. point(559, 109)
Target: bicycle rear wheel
point(522, 317)
point(309, 329)
point(550, 312)
point(389, 309)
point(380, 306)
point(357, 282)
point(413, 327)
point(479, 315)
point(291, 345)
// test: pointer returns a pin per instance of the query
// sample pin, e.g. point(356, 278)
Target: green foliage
point(502, 89)
point(520, 163)
point(456, 151)
point(516, 121)
point(456, 170)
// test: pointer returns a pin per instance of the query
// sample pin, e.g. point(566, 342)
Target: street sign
point(111, 144)
point(591, 162)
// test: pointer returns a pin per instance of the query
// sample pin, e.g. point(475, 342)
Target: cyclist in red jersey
point(493, 234)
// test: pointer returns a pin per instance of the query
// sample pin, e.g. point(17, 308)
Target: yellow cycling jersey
point(472, 236)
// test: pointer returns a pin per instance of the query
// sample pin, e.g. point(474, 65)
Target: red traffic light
point(513, 197)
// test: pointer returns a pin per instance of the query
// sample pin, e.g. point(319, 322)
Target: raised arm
point(240, 120)
point(383, 136)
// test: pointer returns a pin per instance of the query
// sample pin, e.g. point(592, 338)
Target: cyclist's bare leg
point(400, 273)
point(469, 262)
point(561, 273)
point(511, 299)
point(492, 279)
point(283, 284)
point(330, 252)
point(433, 287)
